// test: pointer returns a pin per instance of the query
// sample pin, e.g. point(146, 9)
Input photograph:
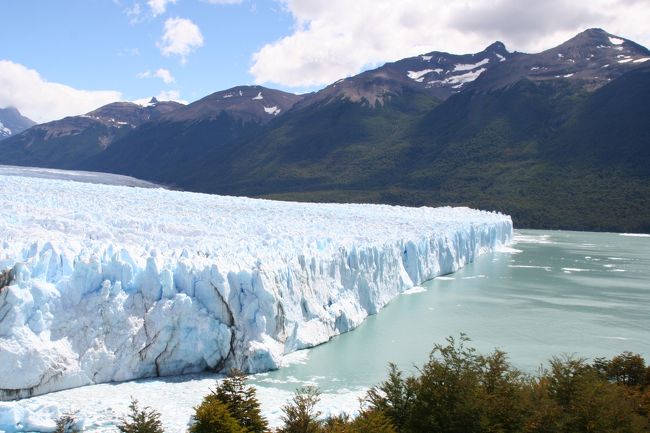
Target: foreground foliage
point(460, 391)
point(139, 420)
point(231, 408)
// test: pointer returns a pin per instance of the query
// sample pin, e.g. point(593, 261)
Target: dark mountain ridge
point(64, 143)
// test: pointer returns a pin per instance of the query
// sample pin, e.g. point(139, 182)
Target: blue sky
point(96, 44)
point(67, 57)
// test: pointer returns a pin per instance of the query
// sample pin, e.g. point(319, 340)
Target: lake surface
point(564, 292)
point(558, 292)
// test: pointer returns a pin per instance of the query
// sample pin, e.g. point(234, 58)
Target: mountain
point(12, 122)
point(553, 151)
point(195, 138)
point(593, 58)
point(437, 74)
point(247, 104)
point(558, 139)
point(64, 143)
point(207, 134)
point(549, 153)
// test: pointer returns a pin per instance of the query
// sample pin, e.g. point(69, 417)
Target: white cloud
point(338, 38)
point(158, 7)
point(181, 36)
point(165, 95)
point(42, 100)
point(134, 13)
point(161, 73)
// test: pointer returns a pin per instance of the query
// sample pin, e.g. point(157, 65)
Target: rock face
point(12, 122)
point(115, 283)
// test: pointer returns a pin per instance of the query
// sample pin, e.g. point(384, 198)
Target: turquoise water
point(564, 292)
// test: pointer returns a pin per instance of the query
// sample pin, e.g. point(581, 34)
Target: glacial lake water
point(559, 292)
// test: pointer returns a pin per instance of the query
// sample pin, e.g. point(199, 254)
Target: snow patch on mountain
point(258, 97)
point(616, 41)
point(459, 80)
point(419, 75)
point(472, 66)
point(4, 130)
point(275, 110)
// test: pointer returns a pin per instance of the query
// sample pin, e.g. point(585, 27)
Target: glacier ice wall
point(106, 283)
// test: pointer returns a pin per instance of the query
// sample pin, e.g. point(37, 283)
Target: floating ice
point(112, 283)
point(414, 290)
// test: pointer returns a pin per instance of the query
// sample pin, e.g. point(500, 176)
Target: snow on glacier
point(113, 283)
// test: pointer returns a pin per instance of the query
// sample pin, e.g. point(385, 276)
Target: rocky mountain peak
point(593, 58)
point(247, 103)
point(12, 122)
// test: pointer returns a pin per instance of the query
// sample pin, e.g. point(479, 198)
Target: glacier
point(104, 283)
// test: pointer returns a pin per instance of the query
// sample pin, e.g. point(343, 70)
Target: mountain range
point(558, 139)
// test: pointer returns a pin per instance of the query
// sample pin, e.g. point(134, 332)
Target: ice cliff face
point(107, 283)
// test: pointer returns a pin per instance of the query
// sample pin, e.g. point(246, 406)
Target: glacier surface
point(102, 283)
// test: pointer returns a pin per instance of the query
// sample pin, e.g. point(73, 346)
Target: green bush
point(300, 415)
point(213, 416)
point(459, 391)
point(233, 398)
point(138, 420)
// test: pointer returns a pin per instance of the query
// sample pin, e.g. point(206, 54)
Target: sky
point(68, 57)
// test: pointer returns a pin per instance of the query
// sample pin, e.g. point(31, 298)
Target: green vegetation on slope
point(547, 153)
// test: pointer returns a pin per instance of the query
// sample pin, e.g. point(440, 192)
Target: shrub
point(235, 399)
point(300, 415)
point(213, 416)
point(138, 420)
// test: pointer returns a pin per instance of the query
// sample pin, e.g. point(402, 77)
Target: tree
point(138, 420)
point(372, 421)
point(627, 369)
point(300, 415)
point(394, 397)
point(213, 416)
point(240, 402)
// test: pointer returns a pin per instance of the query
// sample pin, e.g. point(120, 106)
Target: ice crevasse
point(108, 283)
